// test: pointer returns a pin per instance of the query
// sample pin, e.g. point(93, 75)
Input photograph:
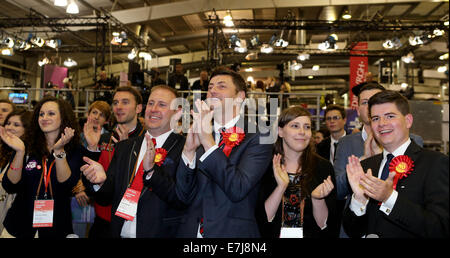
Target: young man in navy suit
point(223, 162)
point(402, 192)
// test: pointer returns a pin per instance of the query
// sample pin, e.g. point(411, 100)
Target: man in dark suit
point(135, 165)
point(218, 179)
point(335, 119)
point(416, 205)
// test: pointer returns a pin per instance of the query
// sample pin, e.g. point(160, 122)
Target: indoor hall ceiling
point(176, 27)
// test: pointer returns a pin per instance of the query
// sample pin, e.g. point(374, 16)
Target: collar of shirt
point(399, 151)
point(228, 125)
point(364, 133)
point(333, 140)
point(160, 140)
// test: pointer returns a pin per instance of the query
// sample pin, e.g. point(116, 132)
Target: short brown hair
point(103, 106)
point(136, 94)
point(389, 96)
point(237, 79)
point(162, 86)
point(338, 108)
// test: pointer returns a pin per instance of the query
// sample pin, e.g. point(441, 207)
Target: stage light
point(60, 3)
point(442, 69)
point(303, 56)
point(266, 49)
point(72, 8)
point(145, 55)
point(43, 61)
point(346, 15)
point(69, 62)
point(315, 67)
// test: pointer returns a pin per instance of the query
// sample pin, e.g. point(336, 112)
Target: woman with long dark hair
point(17, 123)
point(298, 195)
point(43, 182)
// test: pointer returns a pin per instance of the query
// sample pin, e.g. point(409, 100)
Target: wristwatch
point(61, 155)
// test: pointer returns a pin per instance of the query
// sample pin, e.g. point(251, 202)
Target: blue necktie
point(385, 172)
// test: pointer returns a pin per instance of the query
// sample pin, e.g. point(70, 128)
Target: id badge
point(43, 213)
point(291, 233)
point(128, 205)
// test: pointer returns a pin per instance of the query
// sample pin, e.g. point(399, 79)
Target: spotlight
point(388, 44)
point(254, 41)
point(296, 66)
point(9, 42)
point(145, 55)
point(7, 51)
point(69, 62)
point(266, 49)
point(415, 40)
point(409, 58)
point(438, 32)
point(228, 20)
point(315, 67)
point(132, 55)
point(303, 56)
point(43, 61)
point(444, 57)
point(281, 43)
point(346, 15)
point(38, 41)
point(442, 69)
point(72, 8)
point(53, 43)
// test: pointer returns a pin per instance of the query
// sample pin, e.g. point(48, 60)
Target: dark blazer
point(310, 228)
point(422, 206)
point(224, 190)
point(323, 148)
point(155, 217)
point(19, 219)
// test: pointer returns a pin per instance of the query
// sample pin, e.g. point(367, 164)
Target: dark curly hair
point(38, 142)
point(6, 152)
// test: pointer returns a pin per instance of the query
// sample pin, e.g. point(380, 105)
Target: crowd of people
point(145, 179)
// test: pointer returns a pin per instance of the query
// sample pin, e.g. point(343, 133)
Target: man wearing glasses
point(335, 119)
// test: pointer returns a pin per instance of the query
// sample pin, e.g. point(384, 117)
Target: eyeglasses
point(334, 118)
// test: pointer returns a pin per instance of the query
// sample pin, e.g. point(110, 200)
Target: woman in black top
point(54, 152)
point(297, 194)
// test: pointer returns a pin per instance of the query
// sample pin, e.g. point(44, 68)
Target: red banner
point(358, 69)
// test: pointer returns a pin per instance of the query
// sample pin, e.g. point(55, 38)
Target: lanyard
point(46, 176)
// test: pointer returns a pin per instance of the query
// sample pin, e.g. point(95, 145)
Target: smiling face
point(158, 112)
point(296, 134)
point(49, 117)
point(220, 88)
point(389, 125)
point(125, 107)
point(14, 126)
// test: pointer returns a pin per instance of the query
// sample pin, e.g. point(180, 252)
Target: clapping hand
point(354, 174)
point(279, 171)
point(122, 131)
point(12, 140)
point(65, 138)
point(92, 133)
point(149, 157)
point(323, 190)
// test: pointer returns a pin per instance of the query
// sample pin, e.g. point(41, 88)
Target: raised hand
point(122, 131)
point(93, 171)
point(202, 124)
point(92, 134)
point(376, 188)
point(12, 140)
point(191, 144)
point(323, 190)
point(371, 146)
point(354, 174)
point(149, 157)
point(66, 136)
point(279, 172)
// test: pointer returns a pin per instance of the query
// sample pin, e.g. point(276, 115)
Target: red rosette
point(160, 156)
point(231, 137)
point(402, 166)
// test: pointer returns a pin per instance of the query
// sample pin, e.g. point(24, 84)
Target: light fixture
point(329, 44)
point(315, 67)
point(37, 41)
point(228, 20)
point(145, 55)
point(254, 41)
point(133, 53)
point(443, 57)
point(251, 79)
point(310, 77)
point(60, 2)
point(404, 85)
point(7, 51)
point(442, 69)
point(266, 49)
point(53, 43)
point(69, 62)
point(296, 66)
point(43, 61)
point(72, 8)
point(346, 15)
point(446, 23)
point(24, 45)
point(119, 39)
point(281, 43)
point(415, 40)
point(409, 58)
point(242, 47)
point(251, 56)
point(303, 56)
point(9, 42)
point(438, 32)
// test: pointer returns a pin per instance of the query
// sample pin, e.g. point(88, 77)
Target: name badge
point(43, 213)
point(128, 205)
point(177, 86)
point(291, 233)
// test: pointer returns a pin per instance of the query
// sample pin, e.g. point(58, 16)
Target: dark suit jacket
point(155, 217)
point(323, 148)
point(310, 228)
point(224, 190)
point(422, 206)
